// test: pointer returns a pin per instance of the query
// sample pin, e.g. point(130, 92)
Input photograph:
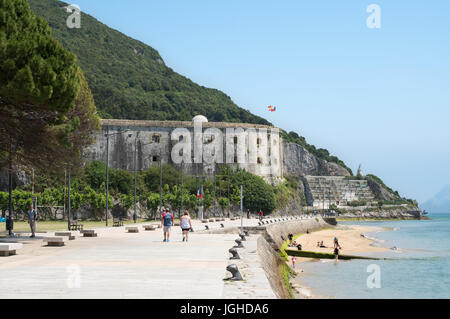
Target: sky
point(379, 97)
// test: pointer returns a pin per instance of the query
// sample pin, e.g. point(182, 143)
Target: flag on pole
point(200, 192)
point(272, 108)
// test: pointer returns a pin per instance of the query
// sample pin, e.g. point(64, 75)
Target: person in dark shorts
point(336, 253)
point(186, 225)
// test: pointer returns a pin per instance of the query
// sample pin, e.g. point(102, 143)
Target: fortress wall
point(336, 190)
point(148, 150)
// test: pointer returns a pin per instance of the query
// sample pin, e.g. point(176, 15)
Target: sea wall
point(270, 243)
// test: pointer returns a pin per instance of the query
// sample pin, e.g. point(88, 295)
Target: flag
point(272, 108)
point(200, 192)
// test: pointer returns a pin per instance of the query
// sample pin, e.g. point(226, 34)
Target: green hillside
point(129, 79)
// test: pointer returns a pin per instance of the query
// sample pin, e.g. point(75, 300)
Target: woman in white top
point(185, 225)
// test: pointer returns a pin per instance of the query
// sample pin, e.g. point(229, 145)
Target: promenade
point(117, 264)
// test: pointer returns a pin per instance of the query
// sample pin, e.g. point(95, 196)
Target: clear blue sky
point(380, 97)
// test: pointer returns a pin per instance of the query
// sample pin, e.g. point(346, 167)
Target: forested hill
point(129, 78)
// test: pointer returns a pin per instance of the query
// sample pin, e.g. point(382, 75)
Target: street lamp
point(107, 135)
point(135, 170)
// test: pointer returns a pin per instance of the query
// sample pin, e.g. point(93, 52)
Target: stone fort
point(199, 148)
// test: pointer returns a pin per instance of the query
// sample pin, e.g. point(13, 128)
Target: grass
point(59, 225)
point(320, 255)
point(286, 273)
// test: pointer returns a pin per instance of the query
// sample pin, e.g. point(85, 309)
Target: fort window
point(235, 140)
point(259, 160)
point(180, 139)
point(235, 159)
point(155, 158)
point(208, 139)
point(156, 138)
point(258, 141)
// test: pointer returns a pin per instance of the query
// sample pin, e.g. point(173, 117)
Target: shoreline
point(351, 242)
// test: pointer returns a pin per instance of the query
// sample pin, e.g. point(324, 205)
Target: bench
point(211, 220)
point(68, 234)
point(132, 229)
point(9, 249)
point(89, 233)
point(55, 241)
point(149, 227)
point(74, 225)
point(204, 221)
point(117, 222)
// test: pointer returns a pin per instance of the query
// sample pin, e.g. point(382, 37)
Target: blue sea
point(420, 267)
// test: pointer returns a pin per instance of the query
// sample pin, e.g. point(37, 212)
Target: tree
point(39, 83)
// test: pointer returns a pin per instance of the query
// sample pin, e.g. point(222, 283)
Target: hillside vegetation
point(129, 79)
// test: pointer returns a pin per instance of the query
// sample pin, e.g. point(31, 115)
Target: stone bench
point(149, 227)
point(132, 229)
point(55, 241)
point(204, 221)
point(89, 233)
point(9, 249)
point(69, 234)
point(211, 220)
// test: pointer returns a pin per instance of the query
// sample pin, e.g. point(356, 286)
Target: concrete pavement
point(117, 264)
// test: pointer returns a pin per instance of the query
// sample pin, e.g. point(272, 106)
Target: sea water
point(419, 266)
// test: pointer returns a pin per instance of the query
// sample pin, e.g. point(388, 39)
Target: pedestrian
point(186, 225)
point(248, 213)
point(260, 215)
point(293, 262)
point(290, 236)
point(32, 217)
point(336, 243)
point(336, 253)
point(167, 221)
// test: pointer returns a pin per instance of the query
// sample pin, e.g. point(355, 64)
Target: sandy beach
point(351, 241)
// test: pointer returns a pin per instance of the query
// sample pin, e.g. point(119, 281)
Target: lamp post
point(107, 135)
point(69, 202)
point(135, 173)
point(160, 181)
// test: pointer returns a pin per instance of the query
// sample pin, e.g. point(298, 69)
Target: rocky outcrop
point(383, 214)
point(298, 161)
point(378, 190)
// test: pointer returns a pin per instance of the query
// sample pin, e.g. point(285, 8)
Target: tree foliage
point(42, 111)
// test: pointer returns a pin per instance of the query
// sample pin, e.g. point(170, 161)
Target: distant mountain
point(440, 203)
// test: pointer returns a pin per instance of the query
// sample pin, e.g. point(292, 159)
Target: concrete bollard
point(206, 227)
point(242, 237)
point(222, 225)
point(234, 252)
point(235, 272)
point(239, 243)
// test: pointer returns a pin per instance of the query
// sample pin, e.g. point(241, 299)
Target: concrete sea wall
point(270, 242)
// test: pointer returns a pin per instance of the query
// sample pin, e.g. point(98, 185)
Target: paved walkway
point(117, 264)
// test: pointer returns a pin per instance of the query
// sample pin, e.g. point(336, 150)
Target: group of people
point(167, 222)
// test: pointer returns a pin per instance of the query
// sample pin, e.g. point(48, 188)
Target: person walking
point(186, 225)
point(293, 262)
point(167, 221)
point(248, 213)
point(32, 217)
point(260, 215)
